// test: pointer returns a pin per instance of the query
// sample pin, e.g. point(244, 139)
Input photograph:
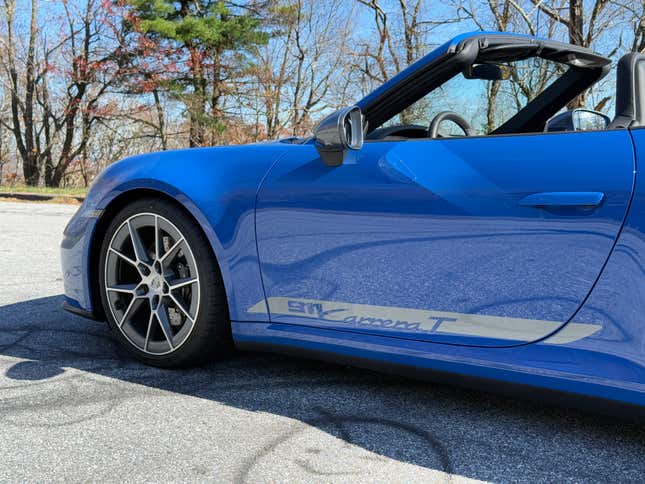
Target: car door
point(487, 241)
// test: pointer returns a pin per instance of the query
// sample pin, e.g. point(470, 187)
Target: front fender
point(218, 186)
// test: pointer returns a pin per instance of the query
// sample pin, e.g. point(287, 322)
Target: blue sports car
point(457, 223)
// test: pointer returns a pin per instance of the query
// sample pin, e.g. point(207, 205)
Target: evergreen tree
point(201, 47)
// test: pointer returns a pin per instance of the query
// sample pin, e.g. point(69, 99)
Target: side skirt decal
point(425, 321)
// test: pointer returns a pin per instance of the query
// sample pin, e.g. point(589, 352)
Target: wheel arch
point(109, 212)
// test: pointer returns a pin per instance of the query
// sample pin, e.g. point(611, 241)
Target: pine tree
point(203, 47)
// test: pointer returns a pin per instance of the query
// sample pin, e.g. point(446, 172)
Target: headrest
point(630, 91)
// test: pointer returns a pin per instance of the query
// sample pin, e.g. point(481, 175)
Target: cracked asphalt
point(75, 408)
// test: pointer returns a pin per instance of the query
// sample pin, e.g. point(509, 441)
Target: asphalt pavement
point(75, 408)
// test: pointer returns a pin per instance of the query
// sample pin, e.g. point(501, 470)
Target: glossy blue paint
point(439, 226)
point(589, 372)
point(618, 299)
point(608, 364)
point(210, 184)
point(523, 256)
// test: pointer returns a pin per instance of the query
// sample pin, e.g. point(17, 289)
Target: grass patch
point(44, 190)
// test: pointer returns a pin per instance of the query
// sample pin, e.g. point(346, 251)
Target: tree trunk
point(493, 90)
point(216, 95)
point(197, 105)
point(576, 23)
point(161, 119)
point(30, 166)
point(23, 112)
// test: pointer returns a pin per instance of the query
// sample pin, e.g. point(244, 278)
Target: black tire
point(210, 336)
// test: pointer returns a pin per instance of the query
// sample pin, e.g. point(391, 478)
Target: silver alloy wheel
point(152, 283)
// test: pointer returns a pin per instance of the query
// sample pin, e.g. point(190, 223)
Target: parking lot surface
point(74, 407)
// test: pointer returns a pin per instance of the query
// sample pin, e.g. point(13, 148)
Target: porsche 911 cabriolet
point(418, 231)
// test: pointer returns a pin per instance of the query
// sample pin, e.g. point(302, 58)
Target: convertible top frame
point(452, 58)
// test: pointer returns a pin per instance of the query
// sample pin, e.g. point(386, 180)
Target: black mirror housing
point(488, 72)
point(337, 133)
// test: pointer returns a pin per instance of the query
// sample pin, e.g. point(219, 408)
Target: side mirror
point(337, 133)
point(578, 120)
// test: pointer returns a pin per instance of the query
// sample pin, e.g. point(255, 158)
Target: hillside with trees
point(84, 83)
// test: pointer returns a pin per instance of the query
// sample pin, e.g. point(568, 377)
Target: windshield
point(485, 104)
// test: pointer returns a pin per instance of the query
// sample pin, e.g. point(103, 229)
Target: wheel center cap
point(156, 283)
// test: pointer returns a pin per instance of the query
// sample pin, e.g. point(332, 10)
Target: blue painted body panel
point(517, 258)
point(618, 299)
point(218, 187)
point(406, 237)
point(590, 372)
point(608, 364)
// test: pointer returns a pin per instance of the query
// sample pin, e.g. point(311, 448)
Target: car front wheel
point(161, 287)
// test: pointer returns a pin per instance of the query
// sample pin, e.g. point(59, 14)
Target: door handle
point(563, 199)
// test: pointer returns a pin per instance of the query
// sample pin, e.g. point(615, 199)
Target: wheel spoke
point(148, 331)
point(124, 257)
point(181, 307)
point(171, 251)
point(139, 249)
point(164, 322)
point(134, 303)
point(156, 238)
point(123, 288)
point(179, 283)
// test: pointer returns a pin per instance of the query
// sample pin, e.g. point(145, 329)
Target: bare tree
point(320, 49)
point(402, 30)
point(584, 26)
point(297, 73)
point(636, 15)
point(4, 152)
point(52, 126)
point(525, 84)
point(106, 84)
point(22, 92)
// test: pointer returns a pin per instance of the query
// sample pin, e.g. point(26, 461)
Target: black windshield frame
point(585, 68)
